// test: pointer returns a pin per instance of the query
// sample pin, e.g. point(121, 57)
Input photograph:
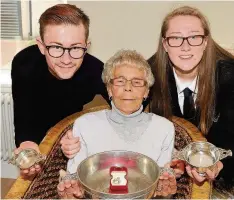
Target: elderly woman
point(128, 78)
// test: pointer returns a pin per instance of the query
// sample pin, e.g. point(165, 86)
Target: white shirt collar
point(182, 85)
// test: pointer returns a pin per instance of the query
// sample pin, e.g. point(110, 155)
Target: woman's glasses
point(122, 81)
point(193, 40)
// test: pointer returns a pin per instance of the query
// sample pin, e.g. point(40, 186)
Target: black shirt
point(41, 100)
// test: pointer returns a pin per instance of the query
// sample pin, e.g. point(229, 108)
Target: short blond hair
point(128, 58)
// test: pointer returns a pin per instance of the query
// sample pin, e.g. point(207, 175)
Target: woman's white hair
point(129, 58)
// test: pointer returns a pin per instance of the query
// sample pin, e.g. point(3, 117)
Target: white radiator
point(7, 126)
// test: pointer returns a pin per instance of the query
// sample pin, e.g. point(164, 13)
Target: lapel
point(173, 94)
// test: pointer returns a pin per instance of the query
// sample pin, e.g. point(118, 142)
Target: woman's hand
point(210, 175)
point(70, 189)
point(33, 170)
point(178, 166)
point(166, 185)
point(70, 145)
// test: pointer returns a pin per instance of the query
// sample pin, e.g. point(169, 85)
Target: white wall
point(38, 7)
point(128, 24)
point(136, 24)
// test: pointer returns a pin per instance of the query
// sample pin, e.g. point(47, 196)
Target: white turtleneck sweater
point(107, 130)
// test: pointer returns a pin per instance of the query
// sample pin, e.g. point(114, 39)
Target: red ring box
point(118, 181)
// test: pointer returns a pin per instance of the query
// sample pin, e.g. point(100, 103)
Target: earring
point(110, 98)
point(144, 99)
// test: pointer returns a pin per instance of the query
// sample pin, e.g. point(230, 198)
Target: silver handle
point(67, 176)
point(224, 153)
point(12, 160)
point(40, 158)
point(168, 170)
point(178, 155)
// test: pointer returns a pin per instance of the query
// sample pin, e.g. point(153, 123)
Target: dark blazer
point(221, 133)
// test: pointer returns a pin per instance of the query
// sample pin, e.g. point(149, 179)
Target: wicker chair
point(43, 186)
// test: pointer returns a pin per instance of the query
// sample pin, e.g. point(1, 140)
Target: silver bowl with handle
point(202, 155)
point(27, 158)
point(142, 175)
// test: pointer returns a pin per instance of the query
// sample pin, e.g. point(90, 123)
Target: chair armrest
point(190, 128)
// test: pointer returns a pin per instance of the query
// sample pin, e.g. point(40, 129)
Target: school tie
point(189, 109)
